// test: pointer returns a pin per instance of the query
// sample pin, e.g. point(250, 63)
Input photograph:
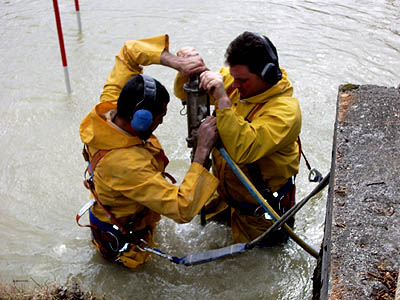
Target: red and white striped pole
point(78, 15)
point(62, 47)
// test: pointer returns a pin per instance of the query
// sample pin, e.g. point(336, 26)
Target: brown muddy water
point(322, 44)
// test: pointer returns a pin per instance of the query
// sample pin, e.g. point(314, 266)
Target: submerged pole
point(78, 15)
point(62, 47)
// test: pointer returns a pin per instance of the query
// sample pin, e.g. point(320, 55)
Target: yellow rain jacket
point(129, 179)
point(269, 139)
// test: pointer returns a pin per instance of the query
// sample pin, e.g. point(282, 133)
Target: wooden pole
point(62, 47)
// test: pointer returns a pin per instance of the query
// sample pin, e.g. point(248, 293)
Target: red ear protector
point(143, 118)
point(271, 71)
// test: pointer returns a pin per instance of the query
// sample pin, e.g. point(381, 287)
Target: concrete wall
point(361, 248)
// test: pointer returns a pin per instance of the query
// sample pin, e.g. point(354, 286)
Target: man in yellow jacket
point(127, 161)
point(258, 121)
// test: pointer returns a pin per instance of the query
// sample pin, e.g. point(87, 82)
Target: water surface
point(321, 44)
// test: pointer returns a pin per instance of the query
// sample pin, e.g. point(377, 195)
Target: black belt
point(273, 198)
point(120, 241)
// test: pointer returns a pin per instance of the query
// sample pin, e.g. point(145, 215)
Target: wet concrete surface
point(361, 248)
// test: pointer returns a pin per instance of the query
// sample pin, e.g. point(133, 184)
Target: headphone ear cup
point(266, 72)
point(142, 120)
point(271, 73)
point(278, 74)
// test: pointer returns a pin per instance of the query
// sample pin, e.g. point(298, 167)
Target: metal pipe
point(198, 108)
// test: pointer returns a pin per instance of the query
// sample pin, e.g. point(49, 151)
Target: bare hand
point(192, 65)
point(187, 64)
point(207, 136)
point(214, 84)
point(187, 51)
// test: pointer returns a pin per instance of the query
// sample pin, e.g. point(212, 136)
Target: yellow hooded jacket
point(129, 179)
point(269, 139)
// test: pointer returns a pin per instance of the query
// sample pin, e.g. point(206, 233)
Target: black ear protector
point(271, 71)
point(143, 118)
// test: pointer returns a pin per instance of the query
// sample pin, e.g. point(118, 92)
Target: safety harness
point(274, 198)
point(281, 201)
point(115, 239)
point(235, 249)
point(111, 239)
point(278, 200)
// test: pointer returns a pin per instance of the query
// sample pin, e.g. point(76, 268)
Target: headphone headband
point(149, 89)
point(269, 67)
point(268, 48)
point(143, 118)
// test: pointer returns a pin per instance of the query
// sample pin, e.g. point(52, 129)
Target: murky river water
point(322, 44)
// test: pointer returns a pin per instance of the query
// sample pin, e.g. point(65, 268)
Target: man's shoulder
point(129, 157)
